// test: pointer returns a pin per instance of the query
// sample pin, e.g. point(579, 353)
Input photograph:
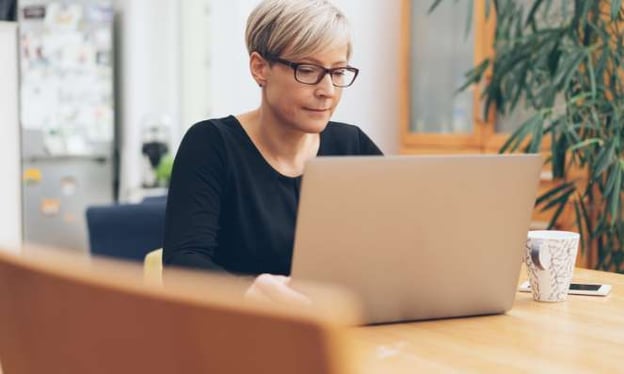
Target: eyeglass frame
point(295, 65)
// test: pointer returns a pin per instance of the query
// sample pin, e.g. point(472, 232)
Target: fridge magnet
point(69, 218)
point(34, 12)
point(50, 207)
point(32, 176)
point(69, 185)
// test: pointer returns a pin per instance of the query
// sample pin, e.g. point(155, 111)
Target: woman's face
point(300, 106)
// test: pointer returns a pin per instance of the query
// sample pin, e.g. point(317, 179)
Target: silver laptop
point(417, 237)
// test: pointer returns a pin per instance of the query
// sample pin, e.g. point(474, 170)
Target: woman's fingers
point(275, 288)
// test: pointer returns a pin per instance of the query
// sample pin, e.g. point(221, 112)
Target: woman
point(235, 182)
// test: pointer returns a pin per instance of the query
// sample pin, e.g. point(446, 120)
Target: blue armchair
point(127, 231)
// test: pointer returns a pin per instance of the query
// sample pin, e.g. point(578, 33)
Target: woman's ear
point(259, 68)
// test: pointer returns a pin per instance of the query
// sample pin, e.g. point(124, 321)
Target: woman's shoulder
point(341, 128)
point(340, 131)
point(213, 125)
point(344, 138)
point(214, 130)
point(344, 132)
point(207, 143)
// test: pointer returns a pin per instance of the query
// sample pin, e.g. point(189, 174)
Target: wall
point(195, 61)
point(374, 102)
point(148, 78)
point(10, 194)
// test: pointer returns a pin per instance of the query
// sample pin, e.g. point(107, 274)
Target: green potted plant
point(562, 61)
point(163, 170)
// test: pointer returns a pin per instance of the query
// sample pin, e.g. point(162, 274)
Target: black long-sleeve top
point(228, 209)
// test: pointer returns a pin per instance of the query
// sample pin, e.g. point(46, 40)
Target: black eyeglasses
point(312, 74)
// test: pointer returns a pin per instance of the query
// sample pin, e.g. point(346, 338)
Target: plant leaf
point(562, 198)
point(515, 139)
point(536, 139)
point(586, 216)
point(553, 59)
point(474, 75)
point(586, 143)
point(555, 217)
point(592, 76)
point(531, 16)
point(433, 6)
point(558, 145)
point(615, 9)
point(580, 224)
point(612, 180)
point(604, 159)
point(553, 191)
point(614, 201)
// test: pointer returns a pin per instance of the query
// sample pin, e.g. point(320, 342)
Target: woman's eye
point(307, 70)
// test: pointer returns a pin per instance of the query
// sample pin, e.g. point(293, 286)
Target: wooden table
point(583, 334)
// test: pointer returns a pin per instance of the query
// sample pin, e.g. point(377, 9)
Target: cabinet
point(437, 50)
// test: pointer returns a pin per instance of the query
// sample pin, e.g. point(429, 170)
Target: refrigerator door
point(67, 116)
point(57, 192)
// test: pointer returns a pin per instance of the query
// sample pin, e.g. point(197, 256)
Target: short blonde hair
point(300, 27)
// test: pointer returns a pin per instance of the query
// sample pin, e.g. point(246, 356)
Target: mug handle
point(534, 253)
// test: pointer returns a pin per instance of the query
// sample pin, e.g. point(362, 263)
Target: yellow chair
point(152, 267)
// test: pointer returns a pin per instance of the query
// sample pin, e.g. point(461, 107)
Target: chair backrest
point(152, 267)
point(127, 231)
point(67, 315)
point(161, 199)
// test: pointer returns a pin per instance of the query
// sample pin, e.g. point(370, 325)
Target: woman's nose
point(326, 86)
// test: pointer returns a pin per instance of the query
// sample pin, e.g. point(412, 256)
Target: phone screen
point(584, 287)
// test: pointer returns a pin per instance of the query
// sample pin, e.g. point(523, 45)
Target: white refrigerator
point(67, 116)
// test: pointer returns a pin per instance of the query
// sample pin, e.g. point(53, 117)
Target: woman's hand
point(275, 289)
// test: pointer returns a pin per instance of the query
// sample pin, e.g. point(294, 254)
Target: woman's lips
point(317, 110)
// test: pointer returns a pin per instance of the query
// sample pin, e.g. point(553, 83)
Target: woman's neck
point(285, 149)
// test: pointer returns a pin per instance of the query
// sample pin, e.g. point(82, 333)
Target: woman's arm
point(194, 202)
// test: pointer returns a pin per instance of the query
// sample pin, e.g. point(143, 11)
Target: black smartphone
point(592, 289)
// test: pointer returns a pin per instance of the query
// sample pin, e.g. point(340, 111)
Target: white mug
point(550, 257)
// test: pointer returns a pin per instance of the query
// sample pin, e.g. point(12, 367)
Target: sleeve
point(367, 146)
point(194, 202)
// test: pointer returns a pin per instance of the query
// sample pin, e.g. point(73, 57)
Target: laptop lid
point(417, 237)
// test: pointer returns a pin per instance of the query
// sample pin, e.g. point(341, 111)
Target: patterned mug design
point(550, 257)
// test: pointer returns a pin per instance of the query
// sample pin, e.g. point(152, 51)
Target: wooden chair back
point(61, 314)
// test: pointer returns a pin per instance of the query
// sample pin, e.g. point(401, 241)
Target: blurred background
point(97, 94)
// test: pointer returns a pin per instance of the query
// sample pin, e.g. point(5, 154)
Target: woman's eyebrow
point(312, 60)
